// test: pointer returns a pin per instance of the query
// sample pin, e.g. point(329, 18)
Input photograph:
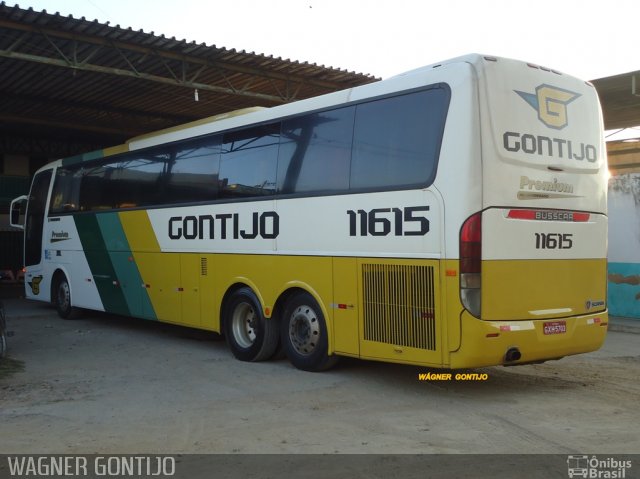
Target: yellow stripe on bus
point(140, 234)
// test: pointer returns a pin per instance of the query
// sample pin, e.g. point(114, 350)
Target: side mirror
point(17, 210)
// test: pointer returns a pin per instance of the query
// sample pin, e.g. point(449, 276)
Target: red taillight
point(470, 244)
point(471, 263)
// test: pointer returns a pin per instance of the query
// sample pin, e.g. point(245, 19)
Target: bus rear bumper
point(491, 343)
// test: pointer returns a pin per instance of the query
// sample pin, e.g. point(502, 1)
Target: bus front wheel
point(304, 334)
point(250, 336)
point(62, 297)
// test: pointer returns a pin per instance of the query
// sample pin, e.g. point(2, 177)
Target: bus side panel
point(177, 280)
point(155, 270)
point(401, 316)
point(210, 294)
point(84, 292)
point(100, 262)
point(459, 187)
point(171, 281)
point(190, 274)
point(63, 252)
point(451, 307)
point(128, 276)
point(345, 303)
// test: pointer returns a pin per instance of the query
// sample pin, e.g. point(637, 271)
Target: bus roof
point(256, 115)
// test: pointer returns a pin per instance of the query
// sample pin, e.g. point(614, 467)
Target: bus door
point(33, 231)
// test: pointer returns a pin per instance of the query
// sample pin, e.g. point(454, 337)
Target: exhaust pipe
point(513, 354)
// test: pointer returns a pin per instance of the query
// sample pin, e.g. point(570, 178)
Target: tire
point(304, 334)
point(61, 298)
point(250, 336)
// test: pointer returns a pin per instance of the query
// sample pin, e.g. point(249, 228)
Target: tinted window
point(192, 173)
point(315, 152)
point(139, 179)
point(397, 140)
point(65, 196)
point(248, 162)
point(98, 191)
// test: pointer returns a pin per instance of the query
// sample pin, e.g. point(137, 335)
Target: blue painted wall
point(624, 289)
point(624, 245)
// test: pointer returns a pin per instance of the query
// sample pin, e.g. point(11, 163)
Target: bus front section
point(533, 257)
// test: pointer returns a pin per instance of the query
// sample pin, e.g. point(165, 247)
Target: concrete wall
point(624, 245)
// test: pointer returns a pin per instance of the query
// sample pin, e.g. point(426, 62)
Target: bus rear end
point(533, 256)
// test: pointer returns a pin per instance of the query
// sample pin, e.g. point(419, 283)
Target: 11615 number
point(408, 221)
point(554, 240)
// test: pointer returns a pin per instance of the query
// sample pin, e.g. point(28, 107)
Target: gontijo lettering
point(551, 147)
point(266, 225)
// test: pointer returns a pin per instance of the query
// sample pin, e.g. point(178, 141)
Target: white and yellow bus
point(453, 216)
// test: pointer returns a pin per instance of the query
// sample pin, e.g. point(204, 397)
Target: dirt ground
point(106, 384)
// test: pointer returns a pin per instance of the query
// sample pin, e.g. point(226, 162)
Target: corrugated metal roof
point(74, 76)
point(620, 101)
point(72, 81)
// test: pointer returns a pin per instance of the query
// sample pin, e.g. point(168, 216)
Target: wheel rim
point(243, 325)
point(304, 330)
point(64, 296)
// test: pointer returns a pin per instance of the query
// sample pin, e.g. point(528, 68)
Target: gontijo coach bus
point(453, 216)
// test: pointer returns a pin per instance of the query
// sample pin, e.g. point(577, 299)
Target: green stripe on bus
point(92, 155)
point(129, 277)
point(102, 269)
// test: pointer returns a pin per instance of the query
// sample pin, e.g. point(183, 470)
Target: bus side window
point(138, 179)
point(248, 162)
point(397, 140)
point(66, 191)
point(97, 189)
point(315, 152)
point(192, 174)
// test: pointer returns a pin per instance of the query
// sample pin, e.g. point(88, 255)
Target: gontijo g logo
point(551, 104)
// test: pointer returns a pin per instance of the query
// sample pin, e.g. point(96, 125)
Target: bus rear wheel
point(304, 334)
point(61, 297)
point(250, 336)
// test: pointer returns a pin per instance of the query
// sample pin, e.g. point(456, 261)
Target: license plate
point(555, 327)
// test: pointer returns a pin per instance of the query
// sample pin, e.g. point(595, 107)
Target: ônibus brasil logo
point(551, 104)
point(596, 468)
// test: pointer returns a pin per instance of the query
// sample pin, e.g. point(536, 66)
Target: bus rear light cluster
point(470, 263)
